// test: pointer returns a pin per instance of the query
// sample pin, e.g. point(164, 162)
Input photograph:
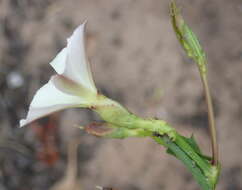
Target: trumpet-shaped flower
point(73, 85)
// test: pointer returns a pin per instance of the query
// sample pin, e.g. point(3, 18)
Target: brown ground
point(136, 60)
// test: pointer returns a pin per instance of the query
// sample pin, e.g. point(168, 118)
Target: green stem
point(211, 120)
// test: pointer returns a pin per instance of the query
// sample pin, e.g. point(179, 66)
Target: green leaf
point(192, 142)
point(175, 150)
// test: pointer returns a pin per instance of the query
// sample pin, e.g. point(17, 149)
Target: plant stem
point(211, 121)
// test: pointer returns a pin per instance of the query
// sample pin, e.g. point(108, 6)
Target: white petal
point(49, 99)
point(59, 63)
point(72, 61)
point(49, 95)
point(78, 65)
point(36, 113)
point(69, 86)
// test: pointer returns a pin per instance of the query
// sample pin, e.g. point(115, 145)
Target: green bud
point(188, 39)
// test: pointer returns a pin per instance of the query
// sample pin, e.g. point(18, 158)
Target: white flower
point(73, 86)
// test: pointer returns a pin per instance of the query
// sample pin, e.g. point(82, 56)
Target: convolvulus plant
point(73, 86)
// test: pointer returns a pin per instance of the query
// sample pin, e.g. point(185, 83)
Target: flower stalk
point(211, 121)
point(193, 49)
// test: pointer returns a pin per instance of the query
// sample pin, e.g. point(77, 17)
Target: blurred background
point(135, 60)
